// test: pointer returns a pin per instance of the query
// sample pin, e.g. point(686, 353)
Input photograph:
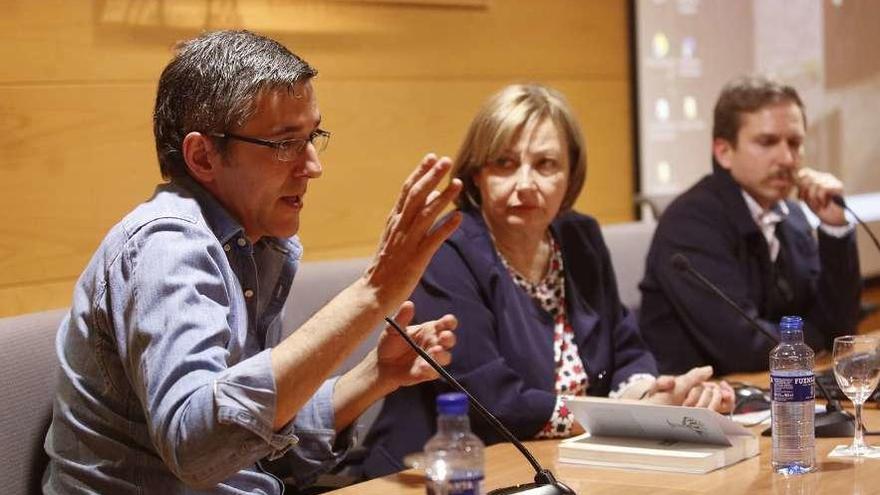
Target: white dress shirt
point(768, 219)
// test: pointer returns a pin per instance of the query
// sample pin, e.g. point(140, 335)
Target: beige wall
point(396, 81)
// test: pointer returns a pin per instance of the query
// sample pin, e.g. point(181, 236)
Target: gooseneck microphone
point(545, 483)
point(834, 422)
point(838, 200)
point(682, 264)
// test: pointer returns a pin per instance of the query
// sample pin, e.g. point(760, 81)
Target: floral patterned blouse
point(571, 375)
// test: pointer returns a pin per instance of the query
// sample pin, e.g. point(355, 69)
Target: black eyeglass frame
point(283, 145)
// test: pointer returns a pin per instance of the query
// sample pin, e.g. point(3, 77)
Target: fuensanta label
point(792, 388)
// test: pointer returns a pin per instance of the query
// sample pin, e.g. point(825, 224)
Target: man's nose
point(787, 155)
point(314, 168)
point(312, 163)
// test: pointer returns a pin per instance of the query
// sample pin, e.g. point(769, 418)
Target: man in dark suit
point(738, 227)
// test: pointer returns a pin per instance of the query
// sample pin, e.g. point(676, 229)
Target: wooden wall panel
point(78, 82)
point(74, 160)
point(373, 150)
point(124, 40)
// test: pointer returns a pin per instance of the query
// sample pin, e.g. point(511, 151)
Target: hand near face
point(816, 189)
point(692, 389)
point(398, 364)
point(410, 237)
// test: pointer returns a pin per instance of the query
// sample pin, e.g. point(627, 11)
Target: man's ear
point(722, 149)
point(201, 156)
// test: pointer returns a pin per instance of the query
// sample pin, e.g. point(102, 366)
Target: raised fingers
point(435, 202)
point(415, 197)
point(438, 348)
point(433, 333)
point(441, 355)
point(814, 194)
point(440, 233)
point(426, 164)
point(447, 322)
point(447, 339)
point(816, 188)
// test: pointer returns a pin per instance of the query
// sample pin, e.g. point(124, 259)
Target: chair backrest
point(628, 244)
point(27, 387)
point(655, 203)
point(316, 283)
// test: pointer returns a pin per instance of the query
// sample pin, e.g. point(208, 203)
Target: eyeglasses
point(288, 149)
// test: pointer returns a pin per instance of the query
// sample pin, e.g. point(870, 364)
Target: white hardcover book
point(638, 435)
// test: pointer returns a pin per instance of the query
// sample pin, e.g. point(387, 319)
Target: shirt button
point(248, 293)
point(241, 241)
point(227, 247)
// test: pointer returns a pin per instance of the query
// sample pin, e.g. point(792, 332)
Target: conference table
point(505, 467)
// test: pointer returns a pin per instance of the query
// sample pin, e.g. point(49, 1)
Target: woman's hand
point(692, 389)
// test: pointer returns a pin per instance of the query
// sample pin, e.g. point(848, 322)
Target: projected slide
point(687, 49)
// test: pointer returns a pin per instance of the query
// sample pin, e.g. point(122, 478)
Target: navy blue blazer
point(685, 325)
point(504, 354)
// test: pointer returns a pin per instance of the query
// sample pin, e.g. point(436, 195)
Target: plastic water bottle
point(792, 390)
point(454, 456)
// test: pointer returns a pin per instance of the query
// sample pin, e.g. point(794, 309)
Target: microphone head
point(838, 200)
point(680, 262)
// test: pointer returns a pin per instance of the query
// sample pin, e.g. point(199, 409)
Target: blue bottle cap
point(791, 324)
point(452, 404)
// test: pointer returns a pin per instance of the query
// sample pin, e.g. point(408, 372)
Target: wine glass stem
point(859, 438)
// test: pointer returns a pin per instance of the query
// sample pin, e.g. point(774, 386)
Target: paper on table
point(762, 417)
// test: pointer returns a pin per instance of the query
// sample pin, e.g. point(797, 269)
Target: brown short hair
point(746, 95)
point(501, 119)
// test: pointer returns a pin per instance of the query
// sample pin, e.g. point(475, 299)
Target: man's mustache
point(783, 174)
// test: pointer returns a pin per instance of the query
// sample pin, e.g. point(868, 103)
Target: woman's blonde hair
point(501, 120)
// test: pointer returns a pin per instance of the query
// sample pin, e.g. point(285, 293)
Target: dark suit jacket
point(685, 325)
point(504, 354)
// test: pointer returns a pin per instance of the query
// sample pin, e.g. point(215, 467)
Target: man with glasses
point(175, 376)
point(740, 229)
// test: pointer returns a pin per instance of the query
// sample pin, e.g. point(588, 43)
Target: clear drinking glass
point(857, 371)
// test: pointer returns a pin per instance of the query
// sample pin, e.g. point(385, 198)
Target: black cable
point(838, 200)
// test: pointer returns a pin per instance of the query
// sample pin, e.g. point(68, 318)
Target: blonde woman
point(532, 285)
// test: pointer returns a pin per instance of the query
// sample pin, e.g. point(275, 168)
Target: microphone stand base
point(534, 489)
point(545, 484)
point(833, 424)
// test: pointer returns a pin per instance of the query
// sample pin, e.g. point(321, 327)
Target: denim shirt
point(166, 383)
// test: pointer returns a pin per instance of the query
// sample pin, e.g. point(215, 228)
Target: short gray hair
point(213, 83)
